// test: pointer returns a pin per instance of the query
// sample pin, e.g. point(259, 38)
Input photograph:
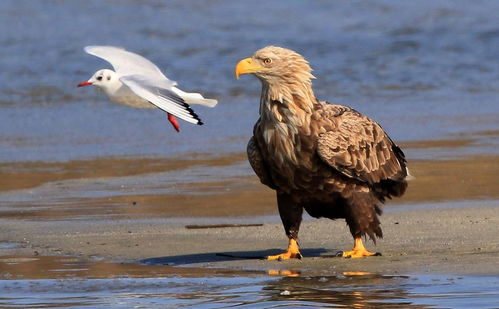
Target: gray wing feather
point(125, 62)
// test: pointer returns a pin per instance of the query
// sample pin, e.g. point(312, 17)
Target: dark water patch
point(10, 245)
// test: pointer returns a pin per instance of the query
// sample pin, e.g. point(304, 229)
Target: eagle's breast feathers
point(322, 150)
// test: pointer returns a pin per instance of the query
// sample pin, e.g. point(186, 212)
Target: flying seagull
point(325, 158)
point(139, 83)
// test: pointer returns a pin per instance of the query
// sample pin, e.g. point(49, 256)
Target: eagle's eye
point(267, 61)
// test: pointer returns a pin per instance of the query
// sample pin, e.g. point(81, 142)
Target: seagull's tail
point(195, 98)
point(201, 101)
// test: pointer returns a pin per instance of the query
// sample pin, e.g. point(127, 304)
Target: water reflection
point(68, 282)
point(49, 267)
point(343, 290)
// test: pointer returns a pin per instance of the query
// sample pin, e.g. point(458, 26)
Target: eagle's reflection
point(354, 289)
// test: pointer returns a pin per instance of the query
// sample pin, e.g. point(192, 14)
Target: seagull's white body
point(139, 83)
point(119, 92)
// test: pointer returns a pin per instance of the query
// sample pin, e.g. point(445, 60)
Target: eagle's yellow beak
point(246, 66)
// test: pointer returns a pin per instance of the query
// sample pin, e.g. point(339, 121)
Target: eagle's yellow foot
point(359, 250)
point(293, 252)
point(285, 256)
point(359, 253)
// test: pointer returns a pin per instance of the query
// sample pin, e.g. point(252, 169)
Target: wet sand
point(447, 222)
point(454, 241)
point(23, 175)
point(450, 180)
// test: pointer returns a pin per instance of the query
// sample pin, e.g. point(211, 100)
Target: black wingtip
point(193, 114)
point(177, 99)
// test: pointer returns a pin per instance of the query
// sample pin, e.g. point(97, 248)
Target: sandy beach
point(447, 223)
point(453, 241)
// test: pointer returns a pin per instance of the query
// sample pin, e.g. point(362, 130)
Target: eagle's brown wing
point(359, 148)
point(256, 161)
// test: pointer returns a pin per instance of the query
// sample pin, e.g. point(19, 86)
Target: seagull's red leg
point(174, 122)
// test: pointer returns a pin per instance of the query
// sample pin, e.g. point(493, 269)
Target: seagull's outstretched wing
point(160, 94)
point(125, 62)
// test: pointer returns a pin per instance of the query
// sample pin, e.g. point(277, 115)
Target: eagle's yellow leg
point(358, 250)
point(293, 252)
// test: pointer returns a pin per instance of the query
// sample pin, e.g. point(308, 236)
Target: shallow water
point(65, 282)
point(424, 70)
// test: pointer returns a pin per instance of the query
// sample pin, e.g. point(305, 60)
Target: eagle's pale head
point(276, 65)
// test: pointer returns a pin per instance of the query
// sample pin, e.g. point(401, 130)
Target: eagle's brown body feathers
point(327, 159)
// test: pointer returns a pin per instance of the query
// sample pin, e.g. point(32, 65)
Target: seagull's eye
point(99, 78)
point(267, 61)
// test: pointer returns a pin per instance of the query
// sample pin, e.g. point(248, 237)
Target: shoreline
point(456, 241)
point(209, 187)
point(91, 212)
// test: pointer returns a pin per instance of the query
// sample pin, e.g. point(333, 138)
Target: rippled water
point(64, 282)
point(424, 69)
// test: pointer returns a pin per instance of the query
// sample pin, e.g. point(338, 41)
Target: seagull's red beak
point(83, 84)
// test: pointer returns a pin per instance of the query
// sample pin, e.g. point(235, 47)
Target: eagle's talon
point(359, 250)
point(358, 254)
point(285, 256)
point(293, 252)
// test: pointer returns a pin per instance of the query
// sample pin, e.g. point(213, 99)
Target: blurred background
point(423, 69)
point(427, 71)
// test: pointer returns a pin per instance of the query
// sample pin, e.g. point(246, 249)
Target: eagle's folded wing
point(359, 148)
point(256, 161)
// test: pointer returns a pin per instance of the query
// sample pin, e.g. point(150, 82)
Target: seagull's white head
point(105, 79)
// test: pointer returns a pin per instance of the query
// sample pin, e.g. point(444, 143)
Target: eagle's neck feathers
point(285, 113)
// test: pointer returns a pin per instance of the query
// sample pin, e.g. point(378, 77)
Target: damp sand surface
point(82, 238)
point(449, 263)
point(438, 256)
